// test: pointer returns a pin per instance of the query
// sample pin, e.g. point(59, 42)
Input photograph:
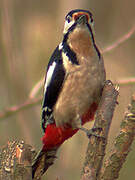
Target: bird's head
point(78, 30)
point(76, 18)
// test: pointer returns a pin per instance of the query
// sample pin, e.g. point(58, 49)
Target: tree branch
point(96, 147)
point(123, 141)
point(15, 161)
point(16, 158)
point(126, 81)
point(36, 88)
point(119, 41)
point(33, 101)
point(15, 109)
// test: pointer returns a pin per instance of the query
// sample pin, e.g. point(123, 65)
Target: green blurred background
point(29, 32)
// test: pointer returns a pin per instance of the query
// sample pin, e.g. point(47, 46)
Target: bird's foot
point(92, 132)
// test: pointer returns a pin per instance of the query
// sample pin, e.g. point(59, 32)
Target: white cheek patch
point(67, 26)
point(49, 75)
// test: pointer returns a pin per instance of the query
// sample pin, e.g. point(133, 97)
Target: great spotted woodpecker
point(73, 82)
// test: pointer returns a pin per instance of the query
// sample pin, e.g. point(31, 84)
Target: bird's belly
point(55, 136)
point(81, 89)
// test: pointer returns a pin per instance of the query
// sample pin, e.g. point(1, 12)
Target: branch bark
point(15, 161)
point(17, 157)
point(111, 168)
point(96, 147)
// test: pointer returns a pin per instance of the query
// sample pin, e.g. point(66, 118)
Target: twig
point(14, 109)
point(119, 41)
point(126, 81)
point(96, 147)
point(39, 84)
point(123, 142)
point(36, 88)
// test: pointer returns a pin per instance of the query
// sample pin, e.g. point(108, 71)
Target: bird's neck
point(80, 42)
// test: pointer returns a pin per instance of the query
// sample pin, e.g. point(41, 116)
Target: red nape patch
point(55, 136)
point(78, 14)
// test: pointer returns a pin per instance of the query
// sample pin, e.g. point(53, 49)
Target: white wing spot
point(49, 76)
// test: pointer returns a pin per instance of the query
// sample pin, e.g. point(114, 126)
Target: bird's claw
point(91, 132)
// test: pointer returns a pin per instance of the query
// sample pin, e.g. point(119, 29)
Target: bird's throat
point(80, 42)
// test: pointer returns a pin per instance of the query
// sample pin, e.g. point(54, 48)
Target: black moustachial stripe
point(93, 40)
point(71, 55)
point(66, 49)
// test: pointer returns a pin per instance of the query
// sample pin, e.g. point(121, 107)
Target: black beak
point(82, 19)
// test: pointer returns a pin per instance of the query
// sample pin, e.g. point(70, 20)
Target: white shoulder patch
point(49, 75)
point(60, 46)
point(66, 62)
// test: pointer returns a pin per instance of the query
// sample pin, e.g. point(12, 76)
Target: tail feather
point(42, 162)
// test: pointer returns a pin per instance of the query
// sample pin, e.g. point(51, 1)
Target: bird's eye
point(68, 19)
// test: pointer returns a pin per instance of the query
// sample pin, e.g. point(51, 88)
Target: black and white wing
point(53, 83)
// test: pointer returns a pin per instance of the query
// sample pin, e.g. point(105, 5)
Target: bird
point(74, 80)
